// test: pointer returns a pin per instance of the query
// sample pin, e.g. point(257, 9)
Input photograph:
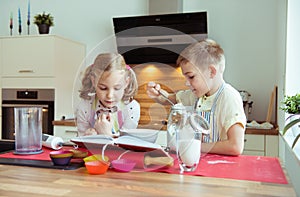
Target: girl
point(108, 87)
point(203, 65)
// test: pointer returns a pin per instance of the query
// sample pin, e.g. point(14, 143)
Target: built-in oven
point(12, 98)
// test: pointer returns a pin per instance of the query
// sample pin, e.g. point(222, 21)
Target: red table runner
point(44, 156)
point(243, 167)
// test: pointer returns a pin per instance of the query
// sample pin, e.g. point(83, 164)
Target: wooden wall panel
point(170, 78)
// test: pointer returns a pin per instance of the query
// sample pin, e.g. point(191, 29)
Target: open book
point(127, 142)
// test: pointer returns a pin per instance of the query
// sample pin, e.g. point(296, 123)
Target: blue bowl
point(61, 161)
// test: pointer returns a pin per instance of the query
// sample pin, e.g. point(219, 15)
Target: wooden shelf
point(273, 131)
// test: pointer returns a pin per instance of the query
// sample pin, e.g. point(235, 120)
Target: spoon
point(164, 94)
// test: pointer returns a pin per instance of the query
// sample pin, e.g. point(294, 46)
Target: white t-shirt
point(229, 108)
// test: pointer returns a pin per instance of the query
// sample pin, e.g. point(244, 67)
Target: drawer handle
point(26, 71)
point(245, 140)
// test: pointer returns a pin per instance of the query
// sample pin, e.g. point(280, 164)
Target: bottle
point(176, 120)
point(51, 141)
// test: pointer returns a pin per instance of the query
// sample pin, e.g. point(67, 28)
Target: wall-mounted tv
point(158, 38)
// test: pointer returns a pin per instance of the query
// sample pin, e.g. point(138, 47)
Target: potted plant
point(44, 22)
point(292, 107)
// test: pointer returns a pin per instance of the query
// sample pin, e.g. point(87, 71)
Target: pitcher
point(28, 130)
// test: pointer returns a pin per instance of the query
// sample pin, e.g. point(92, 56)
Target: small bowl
point(96, 167)
point(96, 157)
point(60, 154)
point(123, 165)
point(60, 157)
point(79, 153)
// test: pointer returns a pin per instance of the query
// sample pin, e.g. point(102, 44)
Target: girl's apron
point(116, 117)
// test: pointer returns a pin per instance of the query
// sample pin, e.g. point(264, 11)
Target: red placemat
point(243, 167)
point(44, 156)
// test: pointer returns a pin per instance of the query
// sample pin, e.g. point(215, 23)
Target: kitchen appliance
point(247, 102)
point(158, 38)
point(12, 98)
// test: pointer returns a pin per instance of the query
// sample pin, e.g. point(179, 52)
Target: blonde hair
point(202, 54)
point(108, 62)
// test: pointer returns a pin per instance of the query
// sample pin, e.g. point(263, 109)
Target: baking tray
point(9, 145)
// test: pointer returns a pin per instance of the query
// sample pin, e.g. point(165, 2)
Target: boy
point(203, 64)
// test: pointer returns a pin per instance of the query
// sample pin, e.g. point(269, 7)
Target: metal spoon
point(165, 96)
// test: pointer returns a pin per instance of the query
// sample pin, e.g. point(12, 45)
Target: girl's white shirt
point(85, 114)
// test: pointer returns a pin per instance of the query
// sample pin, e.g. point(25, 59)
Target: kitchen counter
point(30, 181)
point(274, 131)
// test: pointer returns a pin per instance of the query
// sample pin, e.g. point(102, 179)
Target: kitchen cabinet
point(261, 144)
point(0, 91)
point(66, 132)
point(45, 62)
point(28, 57)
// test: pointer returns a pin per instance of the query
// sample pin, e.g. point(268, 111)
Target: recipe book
point(127, 142)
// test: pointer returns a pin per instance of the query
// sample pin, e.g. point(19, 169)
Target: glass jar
point(184, 116)
point(176, 119)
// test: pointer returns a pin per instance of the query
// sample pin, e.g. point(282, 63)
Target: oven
point(12, 98)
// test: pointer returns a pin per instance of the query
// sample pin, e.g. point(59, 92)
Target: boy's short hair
point(202, 54)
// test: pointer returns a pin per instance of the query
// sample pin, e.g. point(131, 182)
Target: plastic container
point(28, 130)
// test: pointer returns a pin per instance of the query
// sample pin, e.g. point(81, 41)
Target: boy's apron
point(211, 118)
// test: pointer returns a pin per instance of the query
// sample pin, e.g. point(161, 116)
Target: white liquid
point(190, 152)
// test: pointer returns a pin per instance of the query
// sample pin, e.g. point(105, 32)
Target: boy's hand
point(153, 90)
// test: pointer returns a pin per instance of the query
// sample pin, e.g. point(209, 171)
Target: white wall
point(252, 33)
point(86, 21)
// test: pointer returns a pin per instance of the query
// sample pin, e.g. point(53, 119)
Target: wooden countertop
point(30, 181)
point(274, 131)
point(69, 122)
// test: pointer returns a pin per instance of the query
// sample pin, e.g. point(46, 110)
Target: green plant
point(292, 106)
point(44, 19)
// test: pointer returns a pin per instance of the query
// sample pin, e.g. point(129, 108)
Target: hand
point(103, 125)
point(153, 90)
point(90, 131)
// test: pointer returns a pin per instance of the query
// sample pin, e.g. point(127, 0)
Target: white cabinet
point(261, 144)
point(66, 132)
point(42, 61)
point(254, 145)
point(0, 91)
point(28, 57)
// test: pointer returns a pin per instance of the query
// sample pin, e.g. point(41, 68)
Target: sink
point(6, 145)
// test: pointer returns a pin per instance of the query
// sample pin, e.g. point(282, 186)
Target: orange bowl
point(96, 167)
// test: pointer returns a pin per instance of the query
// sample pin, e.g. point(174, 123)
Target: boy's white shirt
point(229, 107)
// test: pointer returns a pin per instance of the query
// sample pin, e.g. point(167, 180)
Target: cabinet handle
point(245, 140)
point(26, 71)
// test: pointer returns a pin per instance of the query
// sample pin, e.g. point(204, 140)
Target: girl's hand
point(153, 90)
point(103, 125)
